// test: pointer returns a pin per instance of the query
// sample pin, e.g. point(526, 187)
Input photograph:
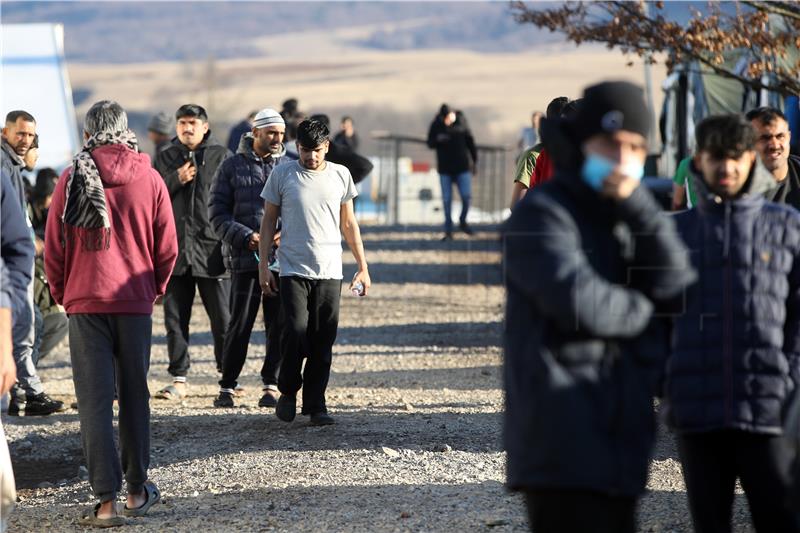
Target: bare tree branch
point(707, 38)
point(784, 9)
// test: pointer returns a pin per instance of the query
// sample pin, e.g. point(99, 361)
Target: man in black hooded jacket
point(589, 260)
point(188, 167)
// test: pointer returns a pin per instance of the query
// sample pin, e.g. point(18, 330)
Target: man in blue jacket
point(28, 397)
point(588, 261)
point(235, 209)
point(735, 361)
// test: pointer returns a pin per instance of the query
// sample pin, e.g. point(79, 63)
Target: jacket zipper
point(727, 357)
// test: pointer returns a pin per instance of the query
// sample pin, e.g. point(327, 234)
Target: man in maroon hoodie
point(110, 249)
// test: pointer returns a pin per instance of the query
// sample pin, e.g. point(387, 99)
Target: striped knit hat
point(268, 117)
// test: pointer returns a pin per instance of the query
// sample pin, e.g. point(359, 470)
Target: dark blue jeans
point(464, 183)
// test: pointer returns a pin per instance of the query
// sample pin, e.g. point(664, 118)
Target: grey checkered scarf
point(85, 206)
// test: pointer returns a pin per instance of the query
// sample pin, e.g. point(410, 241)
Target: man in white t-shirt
point(314, 199)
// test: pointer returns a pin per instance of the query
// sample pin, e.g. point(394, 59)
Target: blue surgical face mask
point(596, 169)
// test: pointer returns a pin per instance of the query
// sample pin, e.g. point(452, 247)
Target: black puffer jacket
point(235, 205)
point(199, 247)
point(583, 351)
point(736, 355)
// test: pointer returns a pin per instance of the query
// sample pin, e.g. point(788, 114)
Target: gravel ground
point(416, 392)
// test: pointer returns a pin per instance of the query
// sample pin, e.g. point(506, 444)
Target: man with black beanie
point(588, 262)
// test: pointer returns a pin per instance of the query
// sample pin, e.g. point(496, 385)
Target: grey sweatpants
point(108, 350)
point(24, 334)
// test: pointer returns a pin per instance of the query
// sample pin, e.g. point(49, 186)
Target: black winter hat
point(161, 123)
point(612, 106)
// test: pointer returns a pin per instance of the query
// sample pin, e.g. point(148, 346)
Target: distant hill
point(134, 32)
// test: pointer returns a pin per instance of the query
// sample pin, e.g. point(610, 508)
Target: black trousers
point(311, 314)
point(246, 297)
point(178, 300)
point(579, 511)
point(712, 462)
point(111, 354)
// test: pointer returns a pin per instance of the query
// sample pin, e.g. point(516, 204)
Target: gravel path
point(416, 391)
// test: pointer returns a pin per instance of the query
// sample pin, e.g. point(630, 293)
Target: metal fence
point(491, 185)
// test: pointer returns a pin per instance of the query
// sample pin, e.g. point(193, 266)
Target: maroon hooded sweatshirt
point(127, 277)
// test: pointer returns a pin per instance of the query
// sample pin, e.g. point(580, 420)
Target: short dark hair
point(191, 110)
point(346, 118)
point(311, 133)
point(13, 116)
point(289, 106)
point(321, 117)
point(725, 136)
point(556, 106)
point(765, 115)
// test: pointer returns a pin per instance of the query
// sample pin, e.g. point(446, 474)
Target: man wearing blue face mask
point(589, 261)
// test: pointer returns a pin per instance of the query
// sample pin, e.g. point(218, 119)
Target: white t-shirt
point(310, 202)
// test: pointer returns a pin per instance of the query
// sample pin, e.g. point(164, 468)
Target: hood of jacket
point(565, 152)
point(759, 181)
point(246, 148)
point(119, 165)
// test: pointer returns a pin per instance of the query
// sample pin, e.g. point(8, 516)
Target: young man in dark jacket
point(236, 209)
point(188, 167)
point(456, 160)
point(735, 361)
point(588, 261)
point(110, 247)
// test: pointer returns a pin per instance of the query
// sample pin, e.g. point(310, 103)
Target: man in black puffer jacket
point(187, 167)
point(236, 209)
point(588, 261)
point(735, 362)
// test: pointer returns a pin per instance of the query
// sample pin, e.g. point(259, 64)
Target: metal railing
point(490, 187)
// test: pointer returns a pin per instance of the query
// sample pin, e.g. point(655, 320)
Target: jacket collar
point(246, 149)
point(16, 159)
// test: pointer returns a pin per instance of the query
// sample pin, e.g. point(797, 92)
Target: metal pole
point(396, 192)
point(651, 106)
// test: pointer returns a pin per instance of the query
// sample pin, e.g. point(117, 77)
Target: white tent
point(34, 78)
